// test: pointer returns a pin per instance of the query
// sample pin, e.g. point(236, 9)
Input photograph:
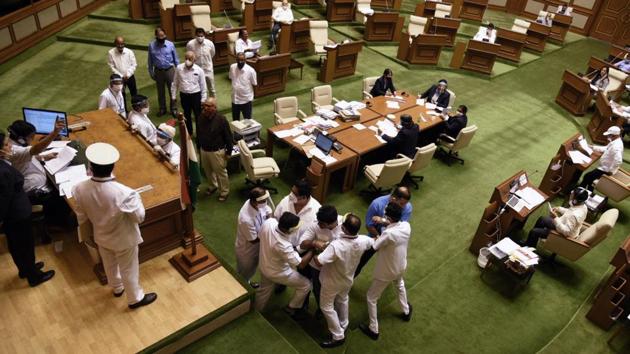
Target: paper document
point(393, 105)
point(585, 146)
point(530, 196)
point(579, 158)
point(66, 187)
point(387, 127)
point(420, 101)
point(302, 139)
point(143, 189)
point(359, 126)
point(256, 45)
point(58, 143)
point(288, 132)
point(63, 159)
point(316, 152)
point(378, 137)
point(504, 248)
point(525, 256)
point(357, 105)
point(71, 173)
point(594, 88)
point(430, 105)
point(433, 113)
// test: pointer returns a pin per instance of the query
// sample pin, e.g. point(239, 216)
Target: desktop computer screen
point(44, 120)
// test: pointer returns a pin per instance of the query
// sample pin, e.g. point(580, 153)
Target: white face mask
point(200, 39)
point(145, 110)
point(189, 63)
point(117, 88)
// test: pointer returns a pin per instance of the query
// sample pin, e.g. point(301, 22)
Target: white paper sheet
point(288, 132)
point(58, 143)
point(71, 173)
point(584, 146)
point(320, 155)
point(302, 139)
point(420, 101)
point(430, 105)
point(256, 45)
point(62, 160)
point(504, 247)
point(387, 127)
point(359, 126)
point(578, 157)
point(393, 105)
point(530, 196)
point(378, 137)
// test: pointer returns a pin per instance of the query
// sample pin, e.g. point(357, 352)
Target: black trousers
point(245, 108)
point(364, 259)
point(312, 274)
point(191, 103)
point(133, 89)
point(56, 210)
point(21, 246)
point(541, 229)
point(625, 129)
point(589, 178)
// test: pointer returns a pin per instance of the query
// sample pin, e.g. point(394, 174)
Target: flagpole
point(188, 221)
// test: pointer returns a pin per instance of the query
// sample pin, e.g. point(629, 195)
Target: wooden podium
point(424, 49)
point(386, 4)
point(498, 219)
point(473, 9)
point(603, 118)
point(340, 61)
point(480, 56)
point(305, 2)
point(559, 27)
point(384, 27)
point(537, 36)
point(596, 64)
point(562, 174)
point(177, 22)
point(445, 26)
point(427, 8)
point(511, 43)
point(221, 44)
point(294, 37)
point(139, 9)
point(271, 73)
point(257, 15)
point(218, 6)
point(340, 10)
point(574, 94)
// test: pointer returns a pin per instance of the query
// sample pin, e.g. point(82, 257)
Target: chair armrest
point(447, 138)
point(402, 156)
point(315, 105)
point(330, 41)
point(569, 248)
point(335, 100)
point(277, 116)
point(258, 152)
point(302, 113)
point(367, 95)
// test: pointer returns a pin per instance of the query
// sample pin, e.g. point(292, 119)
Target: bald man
point(123, 62)
point(190, 81)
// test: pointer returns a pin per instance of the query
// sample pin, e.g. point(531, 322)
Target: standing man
point(338, 262)
point(115, 211)
point(281, 14)
point(301, 203)
point(15, 219)
point(215, 144)
point(250, 220)
point(243, 79)
point(123, 62)
point(162, 60)
point(190, 80)
point(112, 97)
point(609, 162)
point(437, 94)
point(204, 52)
point(391, 264)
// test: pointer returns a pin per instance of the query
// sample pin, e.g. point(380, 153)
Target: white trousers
point(247, 260)
point(295, 280)
point(374, 293)
point(334, 305)
point(210, 84)
point(123, 272)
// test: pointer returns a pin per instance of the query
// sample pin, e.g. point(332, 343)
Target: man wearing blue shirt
point(162, 60)
point(624, 64)
point(376, 222)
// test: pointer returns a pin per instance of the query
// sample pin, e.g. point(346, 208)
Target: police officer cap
point(443, 82)
point(102, 154)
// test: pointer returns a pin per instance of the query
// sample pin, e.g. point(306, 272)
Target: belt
point(208, 150)
point(166, 69)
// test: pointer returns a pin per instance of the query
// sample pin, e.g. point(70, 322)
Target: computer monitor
point(324, 143)
point(44, 120)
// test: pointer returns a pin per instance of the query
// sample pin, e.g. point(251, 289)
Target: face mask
point(145, 110)
point(240, 65)
point(189, 63)
point(120, 49)
point(161, 141)
point(293, 198)
point(117, 88)
point(161, 40)
point(200, 39)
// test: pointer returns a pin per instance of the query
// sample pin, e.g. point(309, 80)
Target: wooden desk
point(271, 73)
point(480, 56)
point(139, 9)
point(340, 61)
point(559, 27)
point(294, 37)
point(445, 26)
point(177, 22)
point(424, 49)
point(218, 6)
point(366, 115)
point(305, 2)
point(537, 36)
point(427, 8)
point(221, 44)
point(257, 16)
point(574, 94)
point(512, 44)
point(340, 10)
point(562, 173)
point(616, 53)
point(384, 27)
point(473, 9)
point(386, 4)
point(379, 104)
point(603, 118)
point(595, 64)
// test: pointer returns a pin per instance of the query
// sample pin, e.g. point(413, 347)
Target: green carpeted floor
point(520, 127)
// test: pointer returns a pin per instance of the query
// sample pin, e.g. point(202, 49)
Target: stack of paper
point(357, 105)
point(341, 105)
point(320, 155)
point(579, 158)
point(302, 139)
point(326, 113)
point(387, 127)
point(503, 248)
point(530, 196)
point(288, 132)
point(430, 105)
point(392, 105)
point(70, 177)
point(63, 159)
point(321, 123)
point(359, 126)
point(525, 256)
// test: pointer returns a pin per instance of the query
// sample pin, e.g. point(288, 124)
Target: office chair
point(384, 176)
point(442, 10)
point(461, 142)
point(285, 110)
point(421, 159)
point(615, 187)
point(319, 38)
point(451, 99)
point(260, 169)
point(368, 83)
point(417, 25)
point(200, 15)
point(322, 98)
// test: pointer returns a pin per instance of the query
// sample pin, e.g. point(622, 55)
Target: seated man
point(565, 221)
point(437, 94)
point(166, 145)
point(453, 124)
point(406, 140)
point(624, 64)
point(600, 81)
point(486, 34)
point(245, 45)
point(383, 84)
point(564, 10)
point(611, 159)
point(282, 14)
point(301, 203)
point(545, 20)
point(112, 97)
point(139, 121)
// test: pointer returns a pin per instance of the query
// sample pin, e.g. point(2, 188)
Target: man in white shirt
point(165, 144)
point(281, 14)
point(391, 263)
point(609, 162)
point(243, 79)
point(122, 61)
point(338, 263)
point(139, 120)
point(245, 45)
point(301, 203)
point(112, 97)
point(204, 52)
point(190, 81)
point(486, 34)
point(114, 210)
point(279, 261)
point(251, 217)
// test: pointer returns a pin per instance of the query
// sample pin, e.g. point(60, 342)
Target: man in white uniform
point(338, 263)
point(609, 162)
point(486, 34)
point(204, 52)
point(166, 145)
point(243, 79)
point(112, 96)
point(123, 62)
point(115, 211)
point(251, 217)
point(391, 263)
point(279, 261)
point(301, 203)
point(139, 119)
point(190, 81)
point(281, 14)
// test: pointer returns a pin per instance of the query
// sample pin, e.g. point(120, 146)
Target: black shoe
point(146, 300)
point(332, 343)
point(296, 314)
point(161, 112)
point(254, 285)
point(119, 294)
point(368, 332)
point(41, 277)
point(38, 266)
point(407, 317)
point(319, 314)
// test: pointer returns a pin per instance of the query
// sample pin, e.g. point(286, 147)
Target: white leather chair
point(615, 187)
point(200, 15)
point(384, 176)
point(368, 83)
point(319, 36)
point(363, 10)
point(421, 159)
point(617, 81)
point(285, 110)
point(168, 4)
point(520, 26)
point(277, 4)
point(232, 37)
point(461, 142)
point(259, 169)
point(417, 25)
point(239, 4)
point(443, 10)
point(322, 98)
point(451, 99)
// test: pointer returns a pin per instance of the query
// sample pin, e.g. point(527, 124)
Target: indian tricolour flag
point(190, 176)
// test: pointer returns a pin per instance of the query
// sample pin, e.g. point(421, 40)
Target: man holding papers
point(611, 158)
point(438, 94)
point(406, 140)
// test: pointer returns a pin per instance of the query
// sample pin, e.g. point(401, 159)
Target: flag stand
point(195, 261)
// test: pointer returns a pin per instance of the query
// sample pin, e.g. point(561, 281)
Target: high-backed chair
point(615, 187)
point(322, 3)
point(417, 25)
point(451, 100)
point(285, 110)
point(363, 11)
point(277, 4)
point(617, 81)
point(232, 38)
point(322, 98)
point(319, 36)
point(443, 10)
point(384, 176)
point(200, 15)
point(368, 83)
point(259, 169)
point(421, 159)
point(590, 236)
point(520, 26)
point(461, 142)
point(238, 5)
point(168, 4)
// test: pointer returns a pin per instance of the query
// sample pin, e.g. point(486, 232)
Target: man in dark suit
point(383, 84)
point(406, 140)
point(15, 213)
point(437, 94)
point(454, 124)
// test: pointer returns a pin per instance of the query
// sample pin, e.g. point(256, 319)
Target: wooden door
point(613, 22)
